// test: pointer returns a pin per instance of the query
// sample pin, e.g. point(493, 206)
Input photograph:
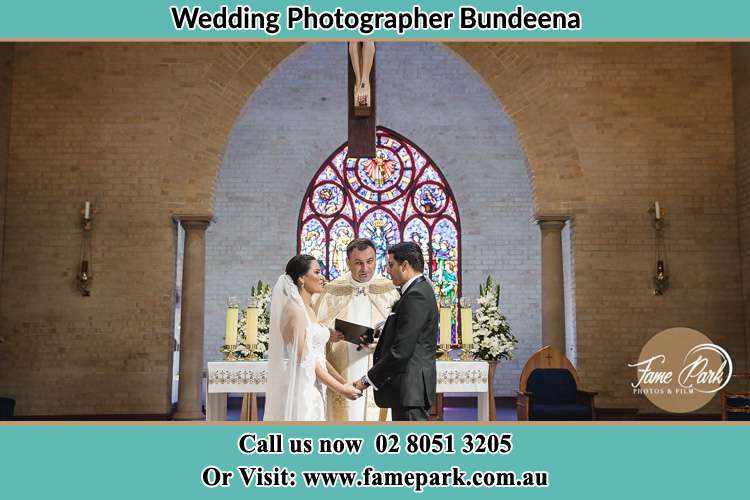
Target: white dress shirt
point(406, 285)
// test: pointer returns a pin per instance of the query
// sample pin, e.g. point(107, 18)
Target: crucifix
point(361, 90)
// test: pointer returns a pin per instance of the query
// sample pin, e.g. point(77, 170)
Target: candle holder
point(443, 350)
point(466, 326)
point(253, 356)
point(84, 280)
point(660, 279)
point(466, 352)
point(240, 352)
point(85, 265)
point(249, 329)
point(657, 212)
point(230, 352)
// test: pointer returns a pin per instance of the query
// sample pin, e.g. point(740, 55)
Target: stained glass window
point(401, 195)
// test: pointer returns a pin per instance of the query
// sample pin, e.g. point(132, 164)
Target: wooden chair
point(735, 404)
point(549, 389)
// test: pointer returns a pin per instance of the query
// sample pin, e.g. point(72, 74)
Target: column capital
point(193, 221)
point(550, 221)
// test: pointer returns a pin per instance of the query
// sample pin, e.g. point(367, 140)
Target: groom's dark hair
point(360, 244)
point(298, 266)
point(410, 252)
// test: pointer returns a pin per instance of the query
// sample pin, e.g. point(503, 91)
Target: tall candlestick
point(445, 326)
point(251, 326)
point(467, 333)
point(232, 321)
point(657, 210)
point(87, 211)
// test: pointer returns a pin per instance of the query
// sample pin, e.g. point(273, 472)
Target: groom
point(403, 372)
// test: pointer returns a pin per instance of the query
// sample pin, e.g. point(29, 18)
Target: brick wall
point(652, 122)
point(741, 79)
point(6, 72)
point(129, 127)
point(140, 129)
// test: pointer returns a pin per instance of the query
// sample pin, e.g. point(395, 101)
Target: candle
point(232, 321)
point(657, 210)
point(445, 326)
point(251, 326)
point(87, 211)
point(467, 334)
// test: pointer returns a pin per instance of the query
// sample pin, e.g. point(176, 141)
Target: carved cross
point(361, 117)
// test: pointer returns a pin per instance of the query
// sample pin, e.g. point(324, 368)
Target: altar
point(251, 377)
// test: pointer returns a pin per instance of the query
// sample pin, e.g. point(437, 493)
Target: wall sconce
point(85, 266)
point(661, 279)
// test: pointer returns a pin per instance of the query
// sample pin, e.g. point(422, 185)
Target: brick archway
point(521, 76)
point(520, 81)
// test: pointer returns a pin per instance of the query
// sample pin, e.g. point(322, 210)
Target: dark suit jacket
point(404, 361)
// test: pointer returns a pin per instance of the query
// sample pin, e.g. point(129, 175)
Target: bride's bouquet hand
point(350, 392)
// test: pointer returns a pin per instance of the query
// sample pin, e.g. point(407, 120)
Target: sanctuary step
point(455, 409)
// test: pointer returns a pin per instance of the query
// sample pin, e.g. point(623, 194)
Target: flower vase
point(491, 387)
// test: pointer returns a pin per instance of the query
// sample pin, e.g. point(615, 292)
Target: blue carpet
point(454, 409)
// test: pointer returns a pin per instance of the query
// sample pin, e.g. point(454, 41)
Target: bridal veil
point(291, 367)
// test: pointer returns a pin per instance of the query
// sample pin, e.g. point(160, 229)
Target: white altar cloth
point(252, 376)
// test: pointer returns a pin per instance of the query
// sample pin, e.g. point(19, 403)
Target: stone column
point(553, 289)
point(191, 319)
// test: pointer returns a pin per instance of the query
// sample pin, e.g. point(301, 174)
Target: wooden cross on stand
point(361, 90)
point(549, 358)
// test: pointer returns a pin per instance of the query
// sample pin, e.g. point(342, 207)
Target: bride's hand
point(335, 335)
point(350, 392)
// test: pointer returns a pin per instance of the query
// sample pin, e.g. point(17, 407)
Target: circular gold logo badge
point(680, 370)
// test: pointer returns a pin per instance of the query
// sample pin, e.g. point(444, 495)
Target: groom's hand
point(335, 335)
point(359, 385)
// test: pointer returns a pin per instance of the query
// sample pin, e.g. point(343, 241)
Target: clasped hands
point(359, 385)
point(356, 391)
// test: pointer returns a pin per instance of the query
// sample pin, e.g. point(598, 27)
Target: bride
point(296, 352)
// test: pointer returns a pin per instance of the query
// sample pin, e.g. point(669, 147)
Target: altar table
point(251, 377)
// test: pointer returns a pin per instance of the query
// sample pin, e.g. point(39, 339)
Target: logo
point(679, 370)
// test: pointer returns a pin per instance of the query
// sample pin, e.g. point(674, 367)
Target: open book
point(353, 332)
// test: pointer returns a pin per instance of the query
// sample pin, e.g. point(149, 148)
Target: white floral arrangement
point(493, 339)
point(264, 319)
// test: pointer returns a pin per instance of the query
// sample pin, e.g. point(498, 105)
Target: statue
point(362, 55)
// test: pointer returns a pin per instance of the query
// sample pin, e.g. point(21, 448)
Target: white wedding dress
point(314, 393)
point(293, 392)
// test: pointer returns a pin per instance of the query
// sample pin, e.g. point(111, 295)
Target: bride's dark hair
point(298, 266)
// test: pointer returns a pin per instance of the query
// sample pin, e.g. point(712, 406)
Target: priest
point(357, 296)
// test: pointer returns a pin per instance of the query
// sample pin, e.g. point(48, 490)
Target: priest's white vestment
point(363, 303)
